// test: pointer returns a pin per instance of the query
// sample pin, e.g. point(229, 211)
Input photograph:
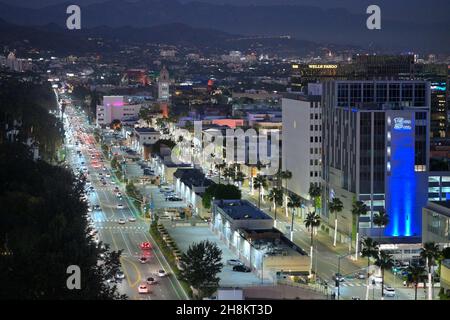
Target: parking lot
point(185, 236)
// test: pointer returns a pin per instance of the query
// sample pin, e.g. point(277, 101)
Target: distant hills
point(60, 40)
point(309, 23)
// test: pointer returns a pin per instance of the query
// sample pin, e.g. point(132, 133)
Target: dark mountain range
point(58, 39)
point(303, 22)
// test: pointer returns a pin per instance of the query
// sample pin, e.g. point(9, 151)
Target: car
point(360, 275)
point(89, 209)
point(356, 298)
point(121, 221)
point(174, 199)
point(338, 277)
point(104, 183)
point(151, 280)
point(389, 291)
point(162, 273)
point(234, 262)
point(241, 268)
point(119, 206)
point(97, 207)
point(104, 168)
point(119, 195)
point(131, 219)
point(143, 259)
point(108, 175)
point(145, 245)
point(376, 279)
point(100, 174)
point(116, 189)
point(120, 275)
point(143, 288)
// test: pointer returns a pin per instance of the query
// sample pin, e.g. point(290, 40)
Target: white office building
point(302, 141)
point(117, 108)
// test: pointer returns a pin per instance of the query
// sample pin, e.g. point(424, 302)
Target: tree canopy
point(220, 192)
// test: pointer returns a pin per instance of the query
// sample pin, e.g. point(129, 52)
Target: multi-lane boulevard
point(120, 228)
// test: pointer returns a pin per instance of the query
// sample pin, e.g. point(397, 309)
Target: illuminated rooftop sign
point(322, 66)
point(402, 124)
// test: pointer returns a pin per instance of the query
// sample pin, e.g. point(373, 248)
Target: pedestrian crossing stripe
point(349, 284)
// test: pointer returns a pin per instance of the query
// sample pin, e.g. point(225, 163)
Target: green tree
point(43, 223)
point(259, 183)
point(220, 166)
point(220, 192)
point(381, 220)
point(385, 262)
point(312, 221)
point(369, 250)
point(200, 265)
point(359, 208)
point(335, 206)
point(430, 253)
point(315, 192)
point(239, 177)
point(146, 114)
point(416, 273)
point(229, 173)
point(294, 202)
point(286, 175)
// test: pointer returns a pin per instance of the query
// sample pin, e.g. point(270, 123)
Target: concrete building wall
point(301, 145)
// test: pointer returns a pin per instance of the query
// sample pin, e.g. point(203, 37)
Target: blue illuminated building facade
point(376, 149)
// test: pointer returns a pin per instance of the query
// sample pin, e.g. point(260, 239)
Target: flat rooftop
point(241, 210)
point(146, 130)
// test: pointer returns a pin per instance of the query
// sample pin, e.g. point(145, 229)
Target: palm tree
point(229, 173)
point(383, 261)
point(259, 183)
point(416, 272)
point(315, 191)
point(335, 206)
point(359, 208)
point(220, 167)
point(239, 177)
point(369, 250)
point(430, 253)
point(312, 221)
point(286, 175)
point(294, 202)
point(276, 196)
point(381, 220)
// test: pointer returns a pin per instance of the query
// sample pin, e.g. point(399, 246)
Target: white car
point(108, 175)
point(377, 279)
point(162, 273)
point(143, 260)
point(122, 221)
point(143, 288)
point(132, 219)
point(120, 275)
point(119, 206)
point(234, 262)
point(389, 291)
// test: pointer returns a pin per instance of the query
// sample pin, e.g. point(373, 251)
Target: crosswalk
point(136, 228)
point(352, 284)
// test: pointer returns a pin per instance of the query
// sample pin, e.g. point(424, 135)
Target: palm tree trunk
point(430, 288)
point(415, 291)
point(259, 198)
point(367, 291)
point(311, 251)
point(275, 210)
point(335, 231)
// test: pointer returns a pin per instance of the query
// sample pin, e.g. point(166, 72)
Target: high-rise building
point(302, 141)
point(117, 108)
point(376, 150)
point(163, 85)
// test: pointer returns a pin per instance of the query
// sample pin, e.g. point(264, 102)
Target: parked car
point(131, 219)
point(122, 221)
point(120, 275)
point(119, 206)
point(234, 262)
point(241, 268)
